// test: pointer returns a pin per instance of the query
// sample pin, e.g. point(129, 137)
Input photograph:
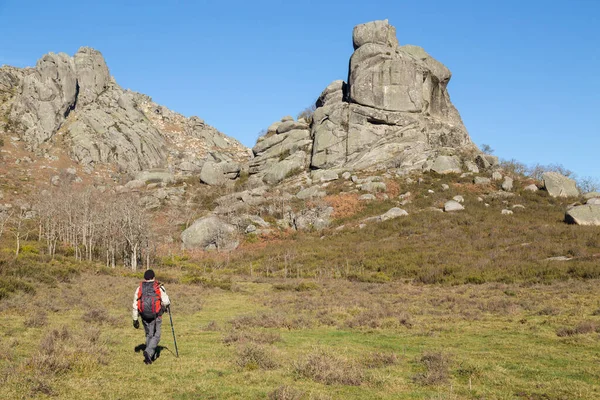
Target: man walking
point(149, 302)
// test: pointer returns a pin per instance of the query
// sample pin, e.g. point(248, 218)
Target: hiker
point(149, 302)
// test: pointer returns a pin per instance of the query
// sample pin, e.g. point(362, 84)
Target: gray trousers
point(152, 329)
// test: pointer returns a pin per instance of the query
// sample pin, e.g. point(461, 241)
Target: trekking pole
point(173, 330)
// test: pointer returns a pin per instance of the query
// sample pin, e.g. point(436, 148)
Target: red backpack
point(149, 300)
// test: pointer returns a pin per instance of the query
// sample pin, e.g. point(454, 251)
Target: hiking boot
point(147, 359)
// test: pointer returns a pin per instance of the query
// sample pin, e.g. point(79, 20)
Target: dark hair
point(149, 275)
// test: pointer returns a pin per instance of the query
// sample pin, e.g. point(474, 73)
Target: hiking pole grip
point(173, 330)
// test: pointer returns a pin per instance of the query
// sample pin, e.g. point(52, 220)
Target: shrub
point(437, 366)
point(378, 360)
point(325, 367)
point(37, 320)
point(285, 392)
point(252, 356)
point(581, 329)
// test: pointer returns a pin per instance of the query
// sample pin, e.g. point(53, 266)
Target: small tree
point(307, 113)
point(487, 149)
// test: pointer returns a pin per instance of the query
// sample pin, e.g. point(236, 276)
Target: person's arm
point(134, 312)
point(164, 297)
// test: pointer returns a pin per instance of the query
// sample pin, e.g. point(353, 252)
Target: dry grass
point(245, 336)
point(344, 205)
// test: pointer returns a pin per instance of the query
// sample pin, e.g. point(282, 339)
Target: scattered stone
point(149, 202)
point(559, 185)
point(373, 187)
point(445, 187)
point(55, 180)
point(324, 175)
point(479, 180)
point(459, 199)
point(507, 212)
point(518, 206)
point(250, 229)
point(135, 184)
point(531, 188)
point(471, 167)
point(584, 215)
point(310, 193)
point(496, 176)
point(393, 213)
point(558, 258)
point(507, 184)
point(430, 191)
point(453, 205)
point(346, 175)
point(367, 197)
point(593, 201)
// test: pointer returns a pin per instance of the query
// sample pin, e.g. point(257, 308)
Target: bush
point(286, 392)
point(437, 369)
point(378, 360)
point(325, 367)
point(37, 320)
point(252, 356)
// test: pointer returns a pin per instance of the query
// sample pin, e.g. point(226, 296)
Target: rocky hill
point(73, 102)
point(385, 129)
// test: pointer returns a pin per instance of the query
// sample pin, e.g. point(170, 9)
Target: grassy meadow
point(468, 305)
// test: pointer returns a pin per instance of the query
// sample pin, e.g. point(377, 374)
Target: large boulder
point(210, 233)
point(394, 112)
point(559, 185)
point(588, 214)
point(446, 165)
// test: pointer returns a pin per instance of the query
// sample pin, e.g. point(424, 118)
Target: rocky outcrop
point(559, 185)
point(394, 111)
point(284, 150)
point(76, 97)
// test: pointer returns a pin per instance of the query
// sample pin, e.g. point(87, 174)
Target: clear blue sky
point(525, 73)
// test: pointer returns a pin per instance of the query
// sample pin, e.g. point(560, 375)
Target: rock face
point(558, 185)
point(394, 111)
point(76, 97)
